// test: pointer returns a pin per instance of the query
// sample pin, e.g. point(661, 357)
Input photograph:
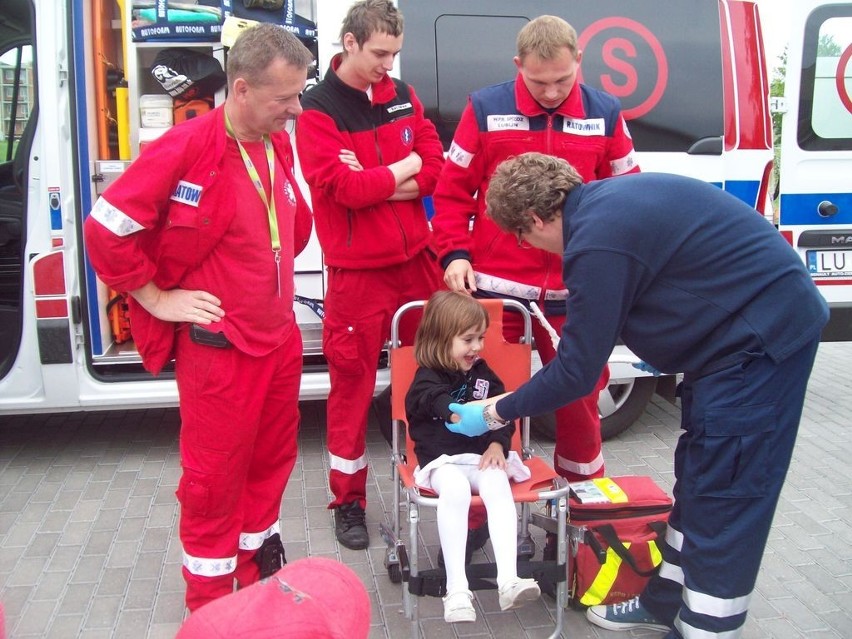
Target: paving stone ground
point(89, 547)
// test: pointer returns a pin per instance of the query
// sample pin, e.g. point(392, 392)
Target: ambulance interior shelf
point(141, 56)
point(114, 325)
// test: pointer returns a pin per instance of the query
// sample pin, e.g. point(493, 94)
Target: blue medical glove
point(472, 421)
point(647, 368)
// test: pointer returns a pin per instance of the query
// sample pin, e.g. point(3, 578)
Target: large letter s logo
point(624, 67)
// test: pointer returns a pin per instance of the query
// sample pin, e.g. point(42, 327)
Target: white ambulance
point(815, 203)
point(76, 73)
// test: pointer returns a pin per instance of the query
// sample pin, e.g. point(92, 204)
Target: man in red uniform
point(207, 213)
point(369, 156)
point(544, 109)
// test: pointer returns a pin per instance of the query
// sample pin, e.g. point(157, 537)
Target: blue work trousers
point(740, 427)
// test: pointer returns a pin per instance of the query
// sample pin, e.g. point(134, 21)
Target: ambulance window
point(664, 65)
point(16, 97)
point(17, 109)
point(826, 95)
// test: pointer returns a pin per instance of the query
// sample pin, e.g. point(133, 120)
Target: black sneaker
point(476, 539)
point(350, 526)
point(270, 556)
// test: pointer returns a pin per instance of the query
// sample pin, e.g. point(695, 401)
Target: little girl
point(446, 347)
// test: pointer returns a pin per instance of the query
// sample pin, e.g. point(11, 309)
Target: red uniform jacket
point(504, 120)
point(165, 214)
point(356, 224)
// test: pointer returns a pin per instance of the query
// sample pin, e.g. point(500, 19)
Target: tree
point(826, 48)
point(776, 90)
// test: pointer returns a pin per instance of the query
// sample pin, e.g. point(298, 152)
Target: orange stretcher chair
point(512, 362)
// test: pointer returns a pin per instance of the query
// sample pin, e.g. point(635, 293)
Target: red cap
point(314, 597)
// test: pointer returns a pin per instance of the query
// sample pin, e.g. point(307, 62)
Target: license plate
point(830, 263)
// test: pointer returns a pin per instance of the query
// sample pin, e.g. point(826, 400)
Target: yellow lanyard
point(258, 185)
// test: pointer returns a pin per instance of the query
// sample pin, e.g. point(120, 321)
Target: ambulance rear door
point(815, 208)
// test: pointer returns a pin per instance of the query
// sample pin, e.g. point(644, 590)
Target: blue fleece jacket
point(692, 279)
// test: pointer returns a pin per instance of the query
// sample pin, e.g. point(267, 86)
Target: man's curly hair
point(531, 182)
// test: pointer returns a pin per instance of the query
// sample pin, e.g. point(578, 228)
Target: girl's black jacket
point(427, 408)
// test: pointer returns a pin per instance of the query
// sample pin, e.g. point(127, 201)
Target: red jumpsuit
point(501, 121)
point(186, 215)
point(378, 251)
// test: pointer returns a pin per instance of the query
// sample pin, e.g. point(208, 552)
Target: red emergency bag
point(615, 542)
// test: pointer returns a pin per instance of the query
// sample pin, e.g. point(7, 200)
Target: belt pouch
point(205, 337)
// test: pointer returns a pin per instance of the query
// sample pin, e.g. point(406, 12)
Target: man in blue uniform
point(693, 280)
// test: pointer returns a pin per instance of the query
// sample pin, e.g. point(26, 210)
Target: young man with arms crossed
point(369, 156)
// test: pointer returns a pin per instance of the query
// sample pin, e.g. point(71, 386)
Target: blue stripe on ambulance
point(745, 190)
point(802, 209)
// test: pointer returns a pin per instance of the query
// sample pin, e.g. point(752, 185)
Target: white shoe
point(517, 592)
point(458, 606)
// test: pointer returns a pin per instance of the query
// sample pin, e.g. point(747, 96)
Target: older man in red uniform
point(202, 230)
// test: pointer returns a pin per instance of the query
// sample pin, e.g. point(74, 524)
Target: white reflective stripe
point(459, 156)
point(580, 468)
point(502, 286)
point(209, 567)
point(715, 606)
point(347, 466)
point(253, 541)
point(691, 632)
point(115, 220)
point(671, 572)
point(623, 165)
point(561, 294)
point(674, 538)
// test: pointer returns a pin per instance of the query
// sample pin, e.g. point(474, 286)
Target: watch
point(490, 420)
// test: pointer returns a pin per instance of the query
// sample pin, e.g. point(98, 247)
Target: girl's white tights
point(454, 485)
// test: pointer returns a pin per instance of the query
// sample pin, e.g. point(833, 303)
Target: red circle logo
point(614, 50)
point(840, 78)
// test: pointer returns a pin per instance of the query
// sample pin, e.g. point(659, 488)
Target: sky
point(775, 19)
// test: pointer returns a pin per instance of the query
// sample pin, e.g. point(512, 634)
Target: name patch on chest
point(509, 122)
point(187, 193)
point(399, 107)
point(595, 126)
